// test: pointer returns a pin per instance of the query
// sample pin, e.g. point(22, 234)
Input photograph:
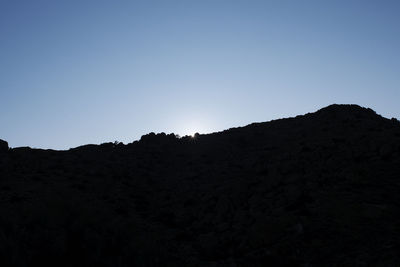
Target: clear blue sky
point(78, 72)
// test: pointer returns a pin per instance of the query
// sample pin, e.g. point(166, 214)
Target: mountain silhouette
point(320, 189)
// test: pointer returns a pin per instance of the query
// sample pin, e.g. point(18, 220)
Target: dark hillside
point(322, 189)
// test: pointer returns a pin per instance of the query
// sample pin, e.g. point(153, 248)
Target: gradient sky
point(78, 72)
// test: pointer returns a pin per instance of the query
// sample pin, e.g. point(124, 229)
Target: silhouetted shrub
point(147, 138)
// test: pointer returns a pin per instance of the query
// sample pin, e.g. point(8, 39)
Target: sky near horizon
point(78, 72)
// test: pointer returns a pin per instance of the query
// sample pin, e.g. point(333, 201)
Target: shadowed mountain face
point(316, 190)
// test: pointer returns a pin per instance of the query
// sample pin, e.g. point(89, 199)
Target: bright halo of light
point(189, 125)
point(190, 129)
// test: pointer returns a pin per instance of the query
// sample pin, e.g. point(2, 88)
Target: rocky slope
point(316, 190)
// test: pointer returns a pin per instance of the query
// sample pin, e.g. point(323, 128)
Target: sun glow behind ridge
point(193, 126)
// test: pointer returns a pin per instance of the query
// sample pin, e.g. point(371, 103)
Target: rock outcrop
point(3, 146)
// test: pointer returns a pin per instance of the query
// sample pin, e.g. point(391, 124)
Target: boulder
point(3, 146)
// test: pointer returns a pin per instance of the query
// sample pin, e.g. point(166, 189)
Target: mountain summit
point(320, 189)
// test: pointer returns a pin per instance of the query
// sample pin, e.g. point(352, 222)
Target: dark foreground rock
point(316, 190)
